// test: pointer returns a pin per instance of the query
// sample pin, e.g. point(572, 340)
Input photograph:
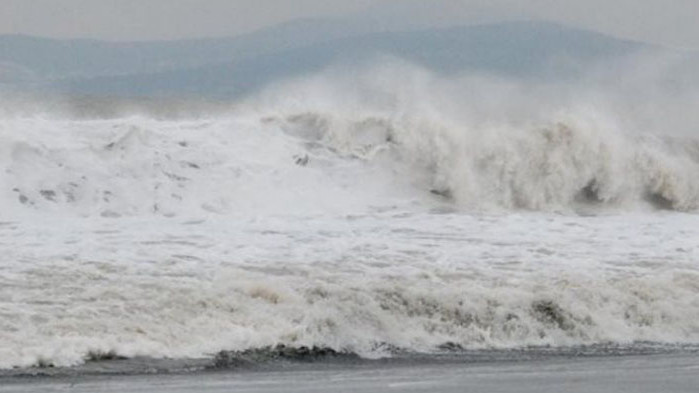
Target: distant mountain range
point(230, 67)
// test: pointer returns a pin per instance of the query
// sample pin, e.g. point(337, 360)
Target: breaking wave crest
point(562, 165)
point(568, 160)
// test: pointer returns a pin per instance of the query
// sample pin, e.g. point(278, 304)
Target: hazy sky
point(672, 22)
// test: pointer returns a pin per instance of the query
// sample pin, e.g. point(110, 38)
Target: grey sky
point(671, 22)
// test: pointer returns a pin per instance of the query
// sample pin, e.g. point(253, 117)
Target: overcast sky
point(670, 22)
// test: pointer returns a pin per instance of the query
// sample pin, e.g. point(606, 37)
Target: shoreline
point(272, 359)
point(668, 372)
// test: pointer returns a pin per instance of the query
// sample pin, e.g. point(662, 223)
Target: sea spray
point(372, 214)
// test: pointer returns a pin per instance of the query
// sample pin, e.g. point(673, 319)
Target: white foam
point(178, 288)
point(333, 216)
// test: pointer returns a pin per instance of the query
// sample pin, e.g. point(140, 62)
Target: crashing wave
point(134, 166)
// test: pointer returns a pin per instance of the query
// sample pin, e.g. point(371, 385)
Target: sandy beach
point(636, 373)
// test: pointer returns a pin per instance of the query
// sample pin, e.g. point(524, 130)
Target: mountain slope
point(522, 49)
point(57, 59)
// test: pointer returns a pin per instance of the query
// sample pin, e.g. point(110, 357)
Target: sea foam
point(372, 215)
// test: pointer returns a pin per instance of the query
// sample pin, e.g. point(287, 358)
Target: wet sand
point(635, 373)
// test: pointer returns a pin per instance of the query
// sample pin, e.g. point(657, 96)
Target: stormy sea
point(385, 224)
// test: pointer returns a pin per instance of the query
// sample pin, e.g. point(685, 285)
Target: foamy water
point(363, 226)
point(179, 288)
